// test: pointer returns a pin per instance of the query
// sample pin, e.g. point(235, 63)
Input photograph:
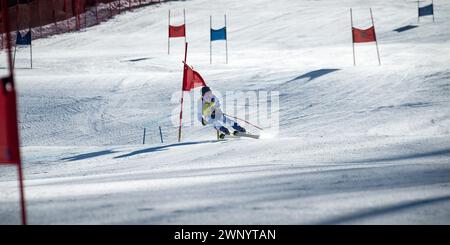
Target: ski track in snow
point(357, 145)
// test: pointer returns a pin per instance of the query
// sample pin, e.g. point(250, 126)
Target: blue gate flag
point(23, 40)
point(220, 34)
point(426, 10)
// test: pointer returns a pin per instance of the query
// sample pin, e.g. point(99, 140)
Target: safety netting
point(49, 17)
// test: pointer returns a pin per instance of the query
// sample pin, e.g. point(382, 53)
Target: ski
point(240, 135)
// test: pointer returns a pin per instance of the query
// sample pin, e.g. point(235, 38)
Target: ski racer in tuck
point(209, 113)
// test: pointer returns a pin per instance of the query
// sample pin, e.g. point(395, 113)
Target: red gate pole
point(353, 38)
point(168, 36)
point(182, 92)
point(5, 18)
point(181, 114)
point(375, 36)
point(22, 194)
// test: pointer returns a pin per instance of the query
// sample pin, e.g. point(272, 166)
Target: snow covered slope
point(364, 144)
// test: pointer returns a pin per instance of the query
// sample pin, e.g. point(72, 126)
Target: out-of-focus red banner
point(9, 142)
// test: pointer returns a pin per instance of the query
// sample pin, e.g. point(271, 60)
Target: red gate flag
point(191, 79)
point(177, 31)
point(9, 140)
point(364, 36)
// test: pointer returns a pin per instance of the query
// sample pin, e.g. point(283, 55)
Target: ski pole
point(245, 121)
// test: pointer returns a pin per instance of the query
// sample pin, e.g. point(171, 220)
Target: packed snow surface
point(363, 144)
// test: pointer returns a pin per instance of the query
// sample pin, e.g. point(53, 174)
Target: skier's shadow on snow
point(161, 148)
point(88, 155)
point(313, 75)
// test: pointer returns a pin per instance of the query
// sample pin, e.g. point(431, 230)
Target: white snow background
point(357, 145)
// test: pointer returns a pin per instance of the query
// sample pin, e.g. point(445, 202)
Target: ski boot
point(238, 129)
point(223, 131)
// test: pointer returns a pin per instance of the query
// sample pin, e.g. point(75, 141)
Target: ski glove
point(204, 122)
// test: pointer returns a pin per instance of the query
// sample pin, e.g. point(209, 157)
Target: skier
point(209, 112)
